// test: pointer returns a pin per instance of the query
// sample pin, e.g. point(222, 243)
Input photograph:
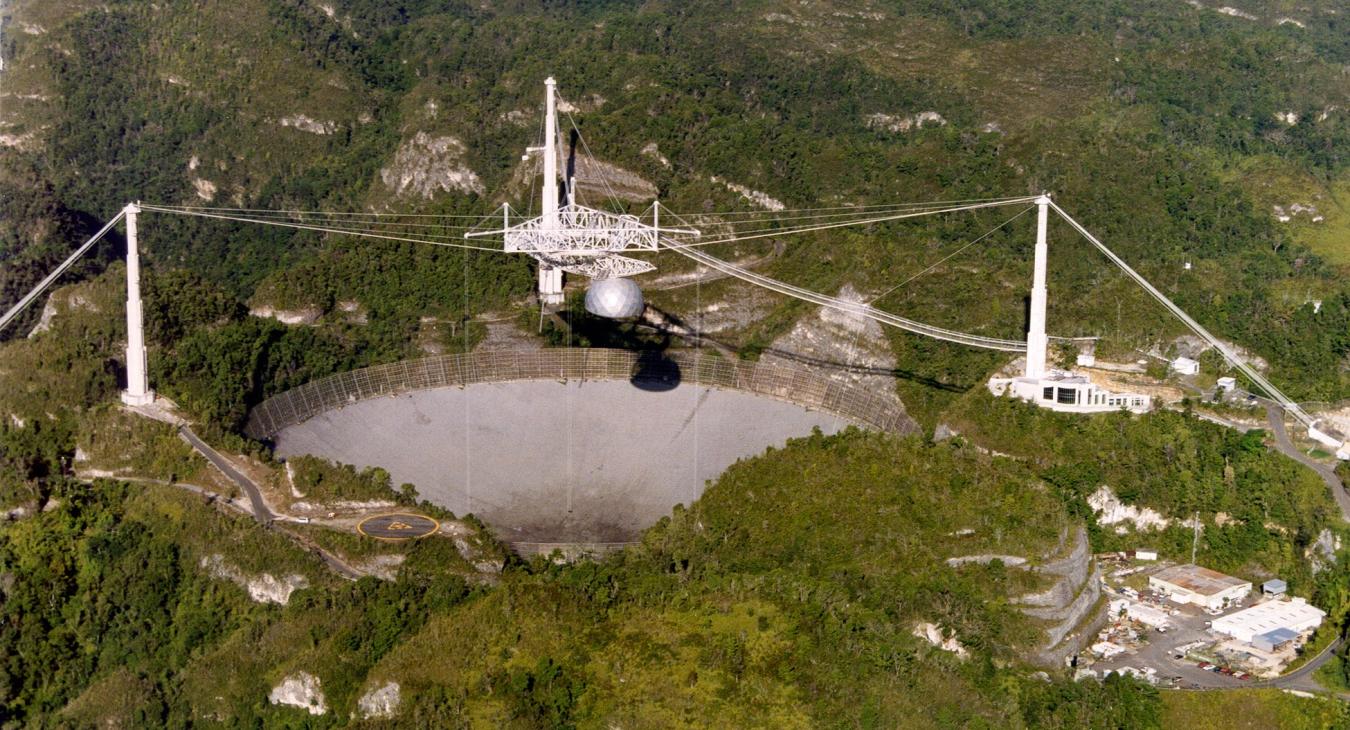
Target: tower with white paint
point(138, 391)
point(1037, 341)
point(1046, 387)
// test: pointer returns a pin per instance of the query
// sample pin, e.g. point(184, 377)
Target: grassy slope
point(1262, 708)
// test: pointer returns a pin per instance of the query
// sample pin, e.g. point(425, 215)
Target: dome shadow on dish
point(655, 372)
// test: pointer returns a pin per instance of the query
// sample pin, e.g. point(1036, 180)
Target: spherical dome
point(614, 298)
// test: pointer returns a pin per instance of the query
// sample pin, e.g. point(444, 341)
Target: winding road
point(261, 512)
point(1274, 414)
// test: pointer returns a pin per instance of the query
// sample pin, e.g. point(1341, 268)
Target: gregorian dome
point(614, 298)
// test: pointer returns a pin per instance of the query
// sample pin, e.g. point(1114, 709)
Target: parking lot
point(1174, 654)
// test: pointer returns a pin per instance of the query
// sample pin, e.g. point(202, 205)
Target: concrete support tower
point(138, 391)
point(1037, 341)
point(550, 277)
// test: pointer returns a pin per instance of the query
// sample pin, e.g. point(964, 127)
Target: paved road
point(334, 563)
point(261, 512)
point(1302, 678)
point(1275, 415)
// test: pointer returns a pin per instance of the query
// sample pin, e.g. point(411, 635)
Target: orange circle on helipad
point(398, 526)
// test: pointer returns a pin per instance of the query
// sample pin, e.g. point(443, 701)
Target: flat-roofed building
point(1296, 615)
point(1199, 586)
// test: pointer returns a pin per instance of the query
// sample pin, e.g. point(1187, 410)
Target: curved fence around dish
point(855, 404)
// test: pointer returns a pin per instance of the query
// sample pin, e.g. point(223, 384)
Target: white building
point(1070, 392)
point(1228, 384)
point(1185, 366)
point(1199, 586)
point(1296, 615)
point(1148, 615)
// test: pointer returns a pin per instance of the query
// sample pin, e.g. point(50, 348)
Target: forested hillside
point(1174, 131)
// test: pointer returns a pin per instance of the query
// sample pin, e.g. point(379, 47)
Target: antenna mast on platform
point(571, 237)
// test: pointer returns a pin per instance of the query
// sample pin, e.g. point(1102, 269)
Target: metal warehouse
point(1296, 615)
point(1199, 586)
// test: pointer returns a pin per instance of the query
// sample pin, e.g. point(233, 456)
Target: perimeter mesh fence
point(856, 404)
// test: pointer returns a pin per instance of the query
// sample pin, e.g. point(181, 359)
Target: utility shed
point(1185, 366)
point(1274, 587)
point(1199, 586)
point(1296, 615)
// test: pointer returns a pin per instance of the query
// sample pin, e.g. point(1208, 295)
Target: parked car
point(1244, 675)
point(1204, 665)
point(1226, 670)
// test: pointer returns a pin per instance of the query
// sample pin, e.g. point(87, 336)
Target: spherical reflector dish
point(614, 298)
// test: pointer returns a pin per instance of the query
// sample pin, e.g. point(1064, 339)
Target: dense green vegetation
point(325, 482)
point(1273, 508)
point(728, 613)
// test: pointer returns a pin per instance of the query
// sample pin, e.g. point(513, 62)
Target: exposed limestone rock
point(932, 633)
point(505, 335)
point(754, 196)
point(1192, 347)
point(384, 567)
point(583, 104)
point(308, 315)
point(1322, 553)
point(381, 702)
point(1012, 561)
point(45, 320)
point(1071, 570)
point(355, 314)
point(18, 141)
point(1234, 12)
point(895, 123)
point(206, 190)
point(1070, 602)
point(485, 564)
point(306, 124)
point(425, 165)
point(516, 116)
point(843, 346)
point(654, 152)
point(302, 690)
point(1111, 511)
point(56, 304)
point(598, 180)
point(263, 588)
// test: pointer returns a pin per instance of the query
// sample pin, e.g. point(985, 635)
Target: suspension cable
point(56, 273)
point(1228, 354)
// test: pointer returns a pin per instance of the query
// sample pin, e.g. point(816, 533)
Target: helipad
point(398, 526)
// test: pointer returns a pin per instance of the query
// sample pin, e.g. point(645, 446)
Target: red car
point(1204, 665)
point(1244, 675)
point(1226, 670)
